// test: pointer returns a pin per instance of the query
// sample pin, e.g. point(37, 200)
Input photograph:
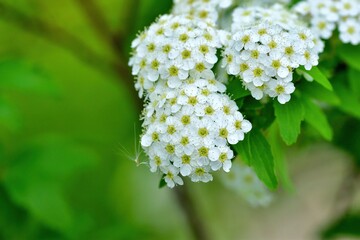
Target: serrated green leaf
point(9, 116)
point(316, 91)
point(319, 77)
point(317, 119)
point(21, 76)
point(289, 117)
point(255, 151)
point(236, 90)
point(36, 177)
point(350, 54)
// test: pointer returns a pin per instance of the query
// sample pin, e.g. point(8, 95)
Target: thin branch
point(193, 218)
point(52, 33)
point(99, 23)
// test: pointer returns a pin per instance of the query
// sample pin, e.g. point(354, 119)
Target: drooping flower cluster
point(174, 48)
point(189, 121)
point(187, 130)
point(326, 15)
point(244, 181)
point(265, 45)
point(206, 10)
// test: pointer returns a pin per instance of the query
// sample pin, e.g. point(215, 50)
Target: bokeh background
point(69, 131)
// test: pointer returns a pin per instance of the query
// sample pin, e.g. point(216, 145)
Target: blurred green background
point(68, 123)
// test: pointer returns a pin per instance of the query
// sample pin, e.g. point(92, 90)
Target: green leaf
point(348, 225)
point(21, 76)
point(236, 90)
point(354, 80)
point(9, 116)
point(162, 182)
point(318, 76)
point(350, 54)
point(289, 117)
point(255, 151)
point(317, 119)
point(277, 149)
point(316, 91)
point(350, 102)
point(36, 178)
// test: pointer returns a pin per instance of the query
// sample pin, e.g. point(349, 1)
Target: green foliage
point(347, 225)
point(19, 75)
point(350, 102)
point(36, 177)
point(236, 90)
point(9, 116)
point(318, 76)
point(289, 117)
point(277, 149)
point(350, 54)
point(255, 151)
point(315, 116)
point(318, 92)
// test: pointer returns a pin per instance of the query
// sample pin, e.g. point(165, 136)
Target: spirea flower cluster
point(265, 46)
point(174, 48)
point(243, 180)
point(206, 10)
point(187, 130)
point(326, 15)
point(189, 121)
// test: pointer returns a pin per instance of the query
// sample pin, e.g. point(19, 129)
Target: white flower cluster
point(187, 130)
point(326, 15)
point(206, 10)
point(264, 53)
point(244, 181)
point(174, 48)
point(189, 121)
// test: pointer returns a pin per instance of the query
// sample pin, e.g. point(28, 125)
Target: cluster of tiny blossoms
point(189, 121)
point(326, 15)
point(187, 130)
point(265, 46)
point(174, 48)
point(206, 10)
point(243, 180)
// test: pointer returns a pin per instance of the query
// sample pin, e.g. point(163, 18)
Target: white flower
point(281, 90)
point(350, 31)
point(171, 176)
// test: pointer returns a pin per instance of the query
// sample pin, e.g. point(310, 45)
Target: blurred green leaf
point(236, 90)
point(255, 151)
point(316, 91)
point(350, 54)
point(36, 178)
point(354, 80)
point(9, 116)
point(21, 76)
point(319, 77)
point(350, 103)
point(348, 225)
point(289, 117)
point(316, 118)
point(347, 138)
